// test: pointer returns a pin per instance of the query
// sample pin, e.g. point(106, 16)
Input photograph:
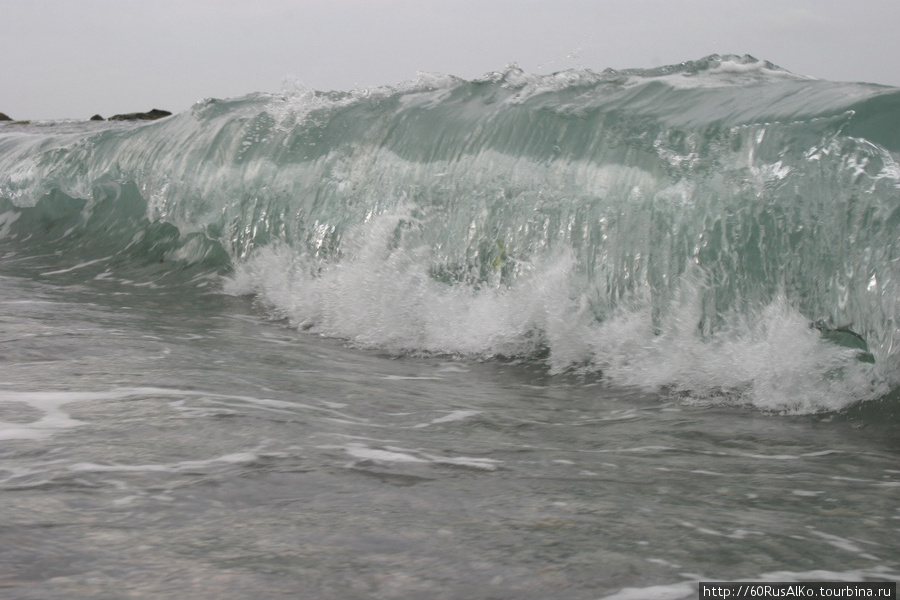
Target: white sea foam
point(391, 454)
point(688, 589)
point(380, 297)
point(178, 467)
point(456, 415)
point(49, 406)
point(674, 591)
point(53, 418)
point(76, 267)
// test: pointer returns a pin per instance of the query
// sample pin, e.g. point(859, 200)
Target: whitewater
point(579, 335)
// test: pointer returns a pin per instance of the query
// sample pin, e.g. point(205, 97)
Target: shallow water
point(172, 443)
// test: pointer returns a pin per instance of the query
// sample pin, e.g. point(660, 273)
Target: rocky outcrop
point(97, 118)
point(4, 117)
point(145, 116)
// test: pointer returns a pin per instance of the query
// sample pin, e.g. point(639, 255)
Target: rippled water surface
point(172, 444)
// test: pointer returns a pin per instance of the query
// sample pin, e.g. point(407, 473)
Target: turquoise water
point(585, 335)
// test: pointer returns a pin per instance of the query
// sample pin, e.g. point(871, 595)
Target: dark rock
point(145, 116)
point(97, 118)
point(4, 117)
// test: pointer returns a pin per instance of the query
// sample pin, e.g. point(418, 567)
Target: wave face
point(721, 229)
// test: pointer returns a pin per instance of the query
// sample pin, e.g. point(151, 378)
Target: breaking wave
point(721, 229)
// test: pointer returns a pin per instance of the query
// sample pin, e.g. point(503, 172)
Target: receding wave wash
point(721, 228)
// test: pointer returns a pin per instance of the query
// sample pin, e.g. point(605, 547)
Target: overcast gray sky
point(71, 59)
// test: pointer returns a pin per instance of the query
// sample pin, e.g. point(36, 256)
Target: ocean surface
point(573, 336)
